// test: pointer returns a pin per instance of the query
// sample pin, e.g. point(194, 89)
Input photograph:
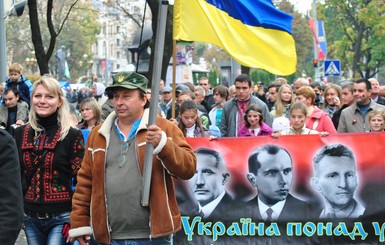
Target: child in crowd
point(376, 121)
point(254, 125)
point(19, 82)
point(298, 113)
point(190, 122)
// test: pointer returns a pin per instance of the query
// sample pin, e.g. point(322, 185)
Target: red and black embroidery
point(47, 183)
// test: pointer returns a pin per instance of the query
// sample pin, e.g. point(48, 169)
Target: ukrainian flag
point(254, 32)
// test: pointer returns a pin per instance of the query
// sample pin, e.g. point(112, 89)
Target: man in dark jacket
point(11, 197)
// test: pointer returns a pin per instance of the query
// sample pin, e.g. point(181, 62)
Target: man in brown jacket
point(107, 197)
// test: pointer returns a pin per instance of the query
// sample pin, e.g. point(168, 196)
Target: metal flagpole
point(173, 100)
point(3, 43)
point(158, 56)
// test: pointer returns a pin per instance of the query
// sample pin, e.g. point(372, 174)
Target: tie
point(269, 213)
point(253, 132)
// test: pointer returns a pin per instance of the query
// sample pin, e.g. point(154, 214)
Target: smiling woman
point(50, 153)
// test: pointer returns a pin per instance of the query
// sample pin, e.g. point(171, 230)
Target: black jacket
point(11, 197)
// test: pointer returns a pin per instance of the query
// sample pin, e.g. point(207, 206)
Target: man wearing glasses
point(110, 178)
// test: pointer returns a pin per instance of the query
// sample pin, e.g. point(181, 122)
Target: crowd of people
point(66, 139)
point(304, 108)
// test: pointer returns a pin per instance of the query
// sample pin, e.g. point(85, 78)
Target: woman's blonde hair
point(53, 86)
point(279, 107)
point(337, 88)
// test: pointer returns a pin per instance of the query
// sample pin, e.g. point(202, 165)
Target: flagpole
point(156, 73)
point(173, 79)
point(315, 21)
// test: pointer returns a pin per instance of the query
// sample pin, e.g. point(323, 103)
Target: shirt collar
point(209, 208)
point(277, 209)
point(134, 128)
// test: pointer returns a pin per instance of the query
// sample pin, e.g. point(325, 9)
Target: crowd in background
point(66, 116)
point(243, 109)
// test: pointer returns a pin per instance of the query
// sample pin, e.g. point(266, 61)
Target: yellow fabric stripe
point(257, 47)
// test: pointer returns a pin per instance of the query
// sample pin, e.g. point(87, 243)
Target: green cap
point(128, 80)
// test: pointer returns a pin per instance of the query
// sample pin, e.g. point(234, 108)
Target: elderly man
point(110, 179)
point(335, 178)
point(375, 91)
point(208, 184)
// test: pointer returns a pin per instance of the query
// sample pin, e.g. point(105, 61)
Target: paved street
point(21, 240)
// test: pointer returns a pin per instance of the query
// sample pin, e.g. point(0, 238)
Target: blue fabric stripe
point(259, 13)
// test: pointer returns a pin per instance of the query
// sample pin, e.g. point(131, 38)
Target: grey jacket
point(351, 119)
point(22, 113)
point(229, 116)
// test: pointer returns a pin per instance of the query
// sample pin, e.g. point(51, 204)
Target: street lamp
point(90, 64)
point(31, 62)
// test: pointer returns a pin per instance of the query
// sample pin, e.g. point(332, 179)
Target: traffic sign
point(332, 68)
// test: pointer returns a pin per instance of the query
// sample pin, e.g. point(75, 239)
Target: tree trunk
point(36, 38)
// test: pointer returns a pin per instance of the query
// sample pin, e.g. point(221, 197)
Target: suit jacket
point(222, 211)
point(380, 100)
point(293, 210)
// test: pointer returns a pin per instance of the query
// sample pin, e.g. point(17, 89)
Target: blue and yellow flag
point(254, 32)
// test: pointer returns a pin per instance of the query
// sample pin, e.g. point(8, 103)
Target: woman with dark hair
point(50, 154)
point(254, 125)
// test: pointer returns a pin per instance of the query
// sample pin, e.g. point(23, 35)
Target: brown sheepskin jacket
point(173, 157)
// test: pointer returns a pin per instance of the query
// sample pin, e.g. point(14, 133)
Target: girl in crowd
point(254, 125)
point(284, 99)
point(298, 113)
point(376, 121)
point(50, 154)
point(91, 114)
point(190, 122)
point(332, 102)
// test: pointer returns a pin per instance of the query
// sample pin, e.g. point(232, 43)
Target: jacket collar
point(105, 129)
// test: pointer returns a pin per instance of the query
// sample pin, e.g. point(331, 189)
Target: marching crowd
point(51, 127)
point(304, 108)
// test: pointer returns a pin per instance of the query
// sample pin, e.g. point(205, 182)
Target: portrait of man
point(270, 171)
point(335, 179)
point(208, 184)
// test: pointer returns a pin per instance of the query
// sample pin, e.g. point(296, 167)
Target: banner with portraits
point(298, 189)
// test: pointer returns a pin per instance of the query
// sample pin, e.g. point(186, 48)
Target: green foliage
point(213, 78)
point(259, 75)
point(355, 31)
point(78, 33)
